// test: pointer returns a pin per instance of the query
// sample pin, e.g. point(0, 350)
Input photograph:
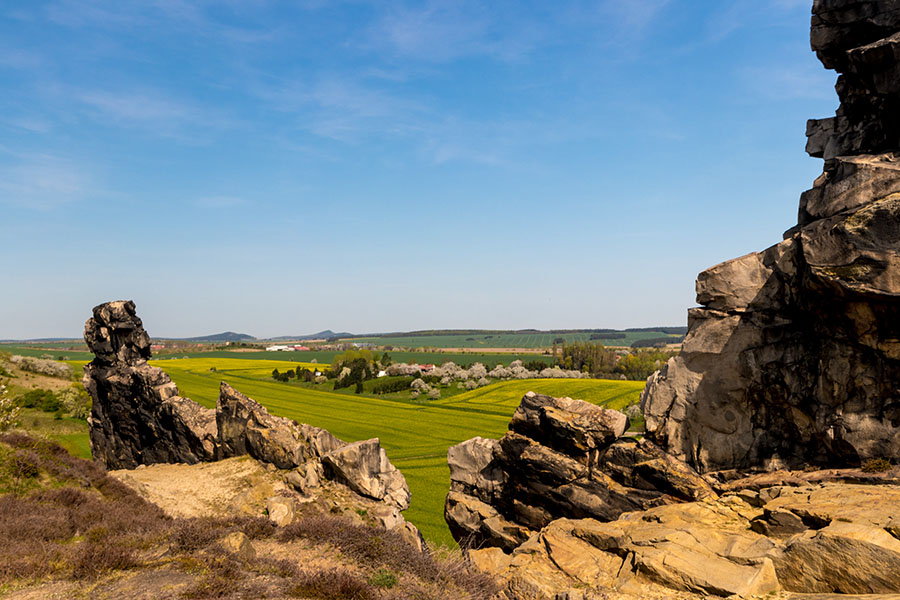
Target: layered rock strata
point(829, 538)
point(561, 458)
point(794, 355)
point(139, 418)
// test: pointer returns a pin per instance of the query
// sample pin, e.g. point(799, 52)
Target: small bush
point(391, 385)
point(877, 465)
point(39, 399)
point(190, 535)
point(96, 558)
point(383, 579)
point(330, 585)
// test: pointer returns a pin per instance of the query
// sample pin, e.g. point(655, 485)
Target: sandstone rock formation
point(794, 355)
point(139, 419)
point(561, 458)
point(564, 507)
point(842, 539)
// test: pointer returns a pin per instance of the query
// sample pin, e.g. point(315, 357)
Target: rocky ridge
point(793, 357)
point(138, 419)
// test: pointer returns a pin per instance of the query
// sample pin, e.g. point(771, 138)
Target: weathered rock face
point(246, 427)
point(794, 356)
point(842, 539)
point(365, 468)
point(137, 417)
point(561, 458)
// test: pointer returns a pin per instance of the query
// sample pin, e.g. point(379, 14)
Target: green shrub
point(391, 385)
point(45, 400)
point(383, 579)
point(877, 465)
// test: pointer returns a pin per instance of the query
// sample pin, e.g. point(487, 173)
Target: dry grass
point(63, 518)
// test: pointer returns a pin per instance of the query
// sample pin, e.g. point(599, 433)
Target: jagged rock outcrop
point(137, 417)
point(561, 458)
point(794, 355)
point(246, 427)
point(365, 468)
point(842, 540)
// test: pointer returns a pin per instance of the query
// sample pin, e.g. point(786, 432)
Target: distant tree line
point(657, 342)
point(668, 330)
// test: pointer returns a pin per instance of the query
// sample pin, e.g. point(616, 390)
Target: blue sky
point(280, 168)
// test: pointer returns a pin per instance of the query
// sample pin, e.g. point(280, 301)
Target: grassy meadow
point(415, 433)
point(507, 340)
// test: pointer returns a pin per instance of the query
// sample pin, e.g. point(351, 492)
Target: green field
point(505, 340)
point(47, 351)
point(415, 434)
point(325, 357)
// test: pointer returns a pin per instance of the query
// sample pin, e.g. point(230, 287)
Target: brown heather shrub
point(225, 576)
point(92, 559)
point(279, 567)
point(376, 547)
point(190, 535)
point(39, 529)
point(255, 528)
point(369, 545)
point(332, 584)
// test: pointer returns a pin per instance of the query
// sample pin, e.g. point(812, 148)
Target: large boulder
point(137, 415)
point(365, 468)
point(794, 356)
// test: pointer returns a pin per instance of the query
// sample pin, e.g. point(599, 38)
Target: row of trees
point(598, 361)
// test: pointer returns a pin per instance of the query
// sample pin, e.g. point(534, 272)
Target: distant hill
point(322, 335)
point(227, 336)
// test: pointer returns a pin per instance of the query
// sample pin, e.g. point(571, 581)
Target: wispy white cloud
point(731, 17)
point(155, 112)
point(219, 201)
point(20, 59)
point(443, 31)
point(798, 82)
point(134, 106)
point(632, 15)
point(43, 183)
point(171, 14)
point(33, 124)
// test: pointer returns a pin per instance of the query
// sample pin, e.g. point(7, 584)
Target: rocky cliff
point(794, 355)
point(138, 418)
